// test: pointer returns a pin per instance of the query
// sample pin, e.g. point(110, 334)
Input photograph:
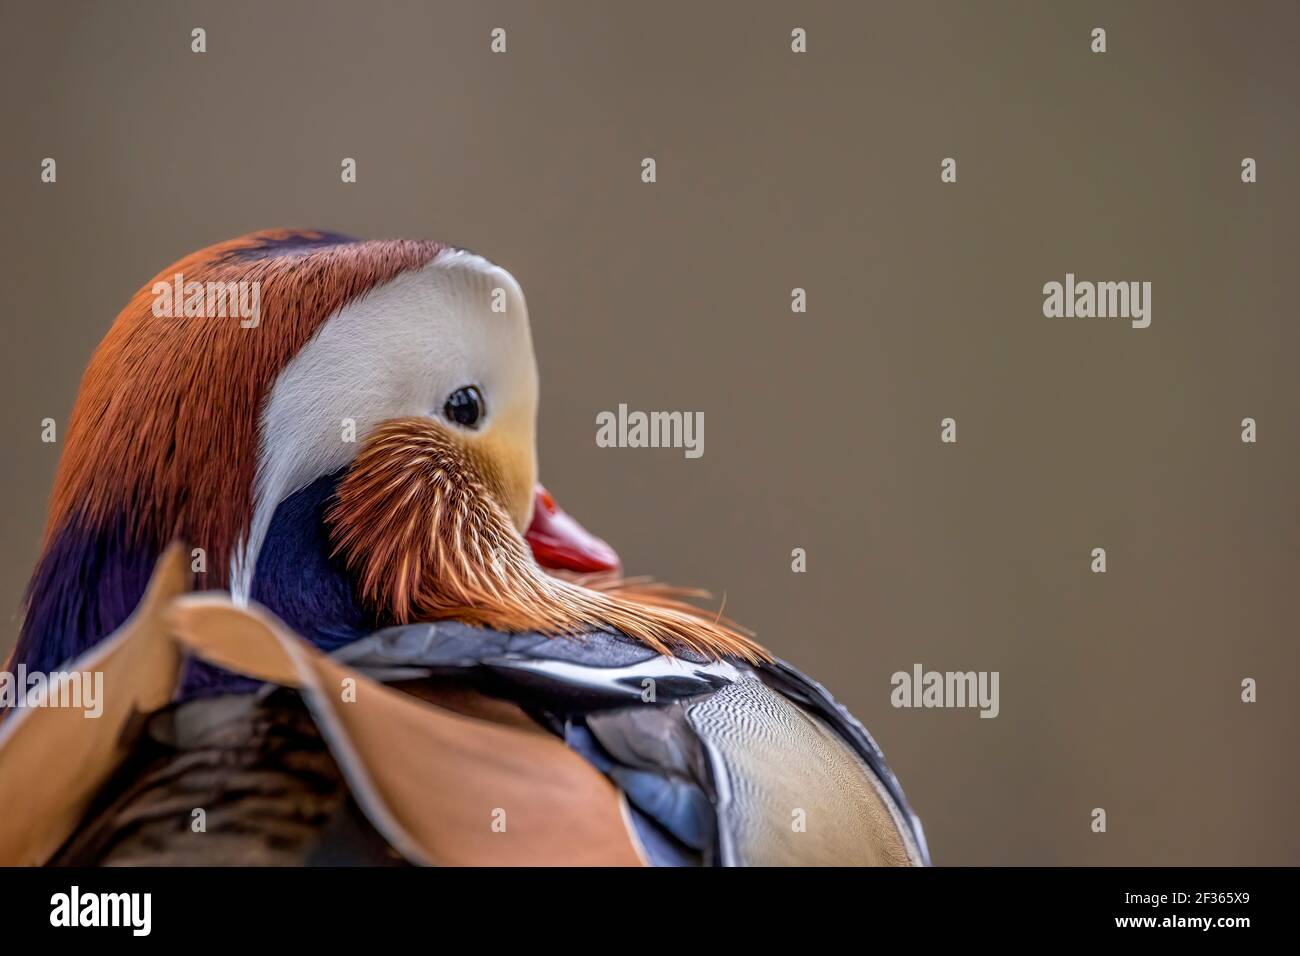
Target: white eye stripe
point(398, 352)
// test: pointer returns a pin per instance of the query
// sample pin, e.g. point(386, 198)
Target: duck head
point(360, 452)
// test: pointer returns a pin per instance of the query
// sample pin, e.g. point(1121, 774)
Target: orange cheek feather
point(419, 523)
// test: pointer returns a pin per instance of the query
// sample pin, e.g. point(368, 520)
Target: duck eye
point(465, 407)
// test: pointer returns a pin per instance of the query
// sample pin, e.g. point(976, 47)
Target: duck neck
point(297, 579)
point(90, 579)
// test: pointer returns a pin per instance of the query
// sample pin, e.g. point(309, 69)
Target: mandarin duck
point(339, 621)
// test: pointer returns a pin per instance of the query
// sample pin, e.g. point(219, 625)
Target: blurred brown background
point(778, 170)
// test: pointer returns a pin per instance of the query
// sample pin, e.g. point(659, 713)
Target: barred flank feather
point(271, 793)
point(418, 521)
